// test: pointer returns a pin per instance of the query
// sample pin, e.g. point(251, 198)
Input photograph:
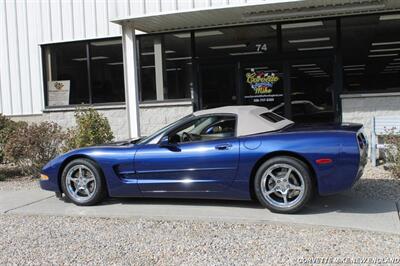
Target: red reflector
point(323, 161)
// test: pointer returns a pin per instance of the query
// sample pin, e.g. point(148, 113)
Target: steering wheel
point(186, 137)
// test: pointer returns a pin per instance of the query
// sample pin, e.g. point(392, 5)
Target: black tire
point(100, 190)
point(301, 168)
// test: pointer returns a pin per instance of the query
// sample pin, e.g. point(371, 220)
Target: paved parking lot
point(341, 210)
point(37, 228)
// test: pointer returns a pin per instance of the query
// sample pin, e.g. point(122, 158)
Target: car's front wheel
point(283, 184)
point(82, 182)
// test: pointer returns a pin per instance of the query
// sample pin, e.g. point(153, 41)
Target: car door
point(207, 165)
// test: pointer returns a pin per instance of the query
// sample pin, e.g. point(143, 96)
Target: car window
point(223, 126)
point(204, 128)
point(160, 132)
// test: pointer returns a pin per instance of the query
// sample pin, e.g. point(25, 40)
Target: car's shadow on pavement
point(185, 202)
point(380, 189)
point(347, 202)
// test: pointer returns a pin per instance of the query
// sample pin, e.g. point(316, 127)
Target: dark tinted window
point(371, 53)
point(312, 44)
point(310, 36)
point(165, 67)
point(254, 40)
point(107, 71)
point(68, 80)
point(67, 74)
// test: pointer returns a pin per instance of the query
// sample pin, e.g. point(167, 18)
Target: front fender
point(51, 171)
point(114, 162)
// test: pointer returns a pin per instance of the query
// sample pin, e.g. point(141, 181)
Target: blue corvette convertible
point(233, 152)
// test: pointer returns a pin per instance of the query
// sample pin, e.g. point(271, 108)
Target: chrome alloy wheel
point(282, 185)
point(80, 183)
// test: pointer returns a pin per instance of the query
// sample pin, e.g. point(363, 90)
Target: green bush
point(30, 147)
point(7, 127)
point(393, 152)
point(92, 128)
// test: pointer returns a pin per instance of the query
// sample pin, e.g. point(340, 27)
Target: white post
point(131, 79)
point(373, 142)
point(159, 65)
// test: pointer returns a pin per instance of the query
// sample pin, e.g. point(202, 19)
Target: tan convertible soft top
point(250, 120)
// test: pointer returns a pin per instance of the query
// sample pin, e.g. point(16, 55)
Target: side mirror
point(165, 143)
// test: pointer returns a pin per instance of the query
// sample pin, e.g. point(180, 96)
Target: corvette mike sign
point(263, 87)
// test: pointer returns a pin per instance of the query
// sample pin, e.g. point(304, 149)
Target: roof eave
point(271, 11)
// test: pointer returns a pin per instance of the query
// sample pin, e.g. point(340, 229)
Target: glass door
point(312, 90)
point(309, 48)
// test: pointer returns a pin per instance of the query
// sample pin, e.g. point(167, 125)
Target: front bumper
point(48, 185)
point(49, 182)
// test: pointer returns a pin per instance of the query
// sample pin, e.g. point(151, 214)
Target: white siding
point(14, 57)
point(25, 24)
point(113, 13)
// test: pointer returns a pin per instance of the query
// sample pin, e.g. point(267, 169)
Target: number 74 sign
point(261, 47)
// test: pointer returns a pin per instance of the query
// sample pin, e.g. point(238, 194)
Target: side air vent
point(272, 117)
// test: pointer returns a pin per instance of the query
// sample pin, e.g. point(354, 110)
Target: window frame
point(89, 73)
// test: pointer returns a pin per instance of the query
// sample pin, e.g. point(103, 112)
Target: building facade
point(146, 63)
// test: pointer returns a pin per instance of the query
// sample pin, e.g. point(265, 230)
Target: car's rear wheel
point(82, 182)
point(283, 184)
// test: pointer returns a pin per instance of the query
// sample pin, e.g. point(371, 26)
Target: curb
point(398, 208)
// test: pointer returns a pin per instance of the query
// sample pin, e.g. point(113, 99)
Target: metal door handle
point(226, 146)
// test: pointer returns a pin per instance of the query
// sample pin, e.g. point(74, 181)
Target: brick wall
point(360, 108)
point(156, 116)
point(152, 117)
point(117, 118)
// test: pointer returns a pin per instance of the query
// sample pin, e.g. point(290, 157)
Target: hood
point(122, 142)
point(119, 143)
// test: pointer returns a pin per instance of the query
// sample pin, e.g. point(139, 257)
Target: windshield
point(161, 131)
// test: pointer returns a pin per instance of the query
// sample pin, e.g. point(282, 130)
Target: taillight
point(362, 141)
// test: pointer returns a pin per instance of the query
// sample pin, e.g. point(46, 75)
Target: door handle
point(225, 146)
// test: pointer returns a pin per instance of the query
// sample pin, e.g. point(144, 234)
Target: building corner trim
point(131, 79)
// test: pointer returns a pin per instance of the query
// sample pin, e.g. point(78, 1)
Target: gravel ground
point(377, 183)
point(49, 240)
point(19, 183)
point(34, 240)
